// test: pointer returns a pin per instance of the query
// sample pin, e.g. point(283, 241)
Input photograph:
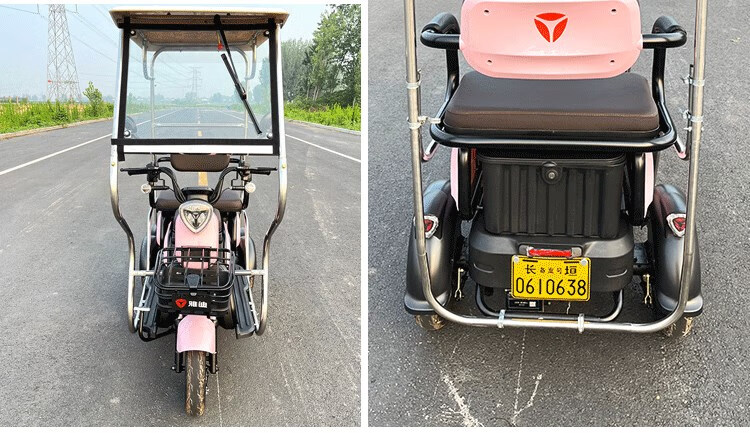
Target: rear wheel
point(196, 377)
point(679, 329)
point(430, 322)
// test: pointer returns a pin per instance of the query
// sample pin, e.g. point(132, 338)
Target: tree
point(334, 59)
point(349, 49)
point(217, 98)
point(95, 99)
point(293, 56)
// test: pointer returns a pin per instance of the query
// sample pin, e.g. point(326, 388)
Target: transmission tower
point(195, 82)
point(62, 77)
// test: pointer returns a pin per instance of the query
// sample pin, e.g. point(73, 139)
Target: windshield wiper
point(229, 63)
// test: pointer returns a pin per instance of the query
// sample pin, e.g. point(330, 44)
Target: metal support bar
point(115, 201)
point(581, 324)
point(251, 272)
point(618, 298)
point(262, 322)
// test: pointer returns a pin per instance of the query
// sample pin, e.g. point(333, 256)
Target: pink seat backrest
point(551, 39)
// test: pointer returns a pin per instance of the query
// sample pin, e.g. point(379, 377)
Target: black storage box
point(557, 195)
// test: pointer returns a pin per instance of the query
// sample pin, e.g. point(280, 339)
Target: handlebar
point(153, 172)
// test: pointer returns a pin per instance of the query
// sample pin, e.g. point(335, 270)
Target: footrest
point(243, 309)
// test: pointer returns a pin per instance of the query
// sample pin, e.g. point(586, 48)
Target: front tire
point(196, 377)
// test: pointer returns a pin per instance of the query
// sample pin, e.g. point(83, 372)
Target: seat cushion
point(618, 107)
point(230, 201)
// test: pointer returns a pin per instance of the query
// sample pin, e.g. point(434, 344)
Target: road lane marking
point(163, 115)
point(325, 148)
point(26, 164)
point(202, 175)
point(306, 142)
point(51, 155)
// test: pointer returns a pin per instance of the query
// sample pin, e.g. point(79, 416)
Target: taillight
point(677, 222)
point(430, 225)
point(547, 252)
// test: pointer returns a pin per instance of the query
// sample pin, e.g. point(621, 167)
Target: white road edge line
point(26, 164)
point(51, 155)
point(306, 142)
point(326, 149)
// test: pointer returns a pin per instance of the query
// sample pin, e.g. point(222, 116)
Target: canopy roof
point(155, 15)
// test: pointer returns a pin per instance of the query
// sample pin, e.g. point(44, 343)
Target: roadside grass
point(30, 115)
point(348, 117)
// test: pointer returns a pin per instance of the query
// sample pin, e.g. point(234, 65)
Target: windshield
point(187, 92)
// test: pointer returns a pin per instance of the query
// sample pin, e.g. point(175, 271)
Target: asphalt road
point(69, 358)
point(469, 376)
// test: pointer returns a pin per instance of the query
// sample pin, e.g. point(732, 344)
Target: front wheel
point(196, 377)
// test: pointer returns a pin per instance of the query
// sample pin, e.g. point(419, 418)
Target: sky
point(23, 44)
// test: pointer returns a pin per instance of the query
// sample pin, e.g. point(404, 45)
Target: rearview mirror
point(131, 128)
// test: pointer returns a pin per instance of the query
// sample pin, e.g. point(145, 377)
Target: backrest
point(184, 162)
point(551, 39)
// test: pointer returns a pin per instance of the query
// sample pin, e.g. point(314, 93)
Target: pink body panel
point(551, 39)
point(196, 333)
point(206, 238)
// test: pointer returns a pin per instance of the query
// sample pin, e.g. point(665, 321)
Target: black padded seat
point(612, 108)
point(230, 201)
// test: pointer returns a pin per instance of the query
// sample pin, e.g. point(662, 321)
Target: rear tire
point(430, 322)
point(196, 378)
point(679, 329)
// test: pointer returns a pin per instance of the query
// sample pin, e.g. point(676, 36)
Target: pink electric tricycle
point(199, 91)
point(555, 146)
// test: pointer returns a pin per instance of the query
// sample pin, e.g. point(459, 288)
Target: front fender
point(440, 250)
point(196, 333)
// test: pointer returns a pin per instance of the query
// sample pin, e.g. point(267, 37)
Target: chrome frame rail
point(581, 323)
point(115, 195)
point(262, 322)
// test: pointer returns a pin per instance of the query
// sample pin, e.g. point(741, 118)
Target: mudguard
point(667, 248)
point(441, 247)
point(196, 333)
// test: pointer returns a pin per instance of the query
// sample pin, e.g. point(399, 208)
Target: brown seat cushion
point(230, 201)
point(611, 107)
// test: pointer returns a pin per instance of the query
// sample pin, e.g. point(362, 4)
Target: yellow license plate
point(550, 279)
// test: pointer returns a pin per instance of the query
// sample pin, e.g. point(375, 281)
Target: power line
point(93, 28)
point(20, 10)
point(94, 49)
point(102, 11)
